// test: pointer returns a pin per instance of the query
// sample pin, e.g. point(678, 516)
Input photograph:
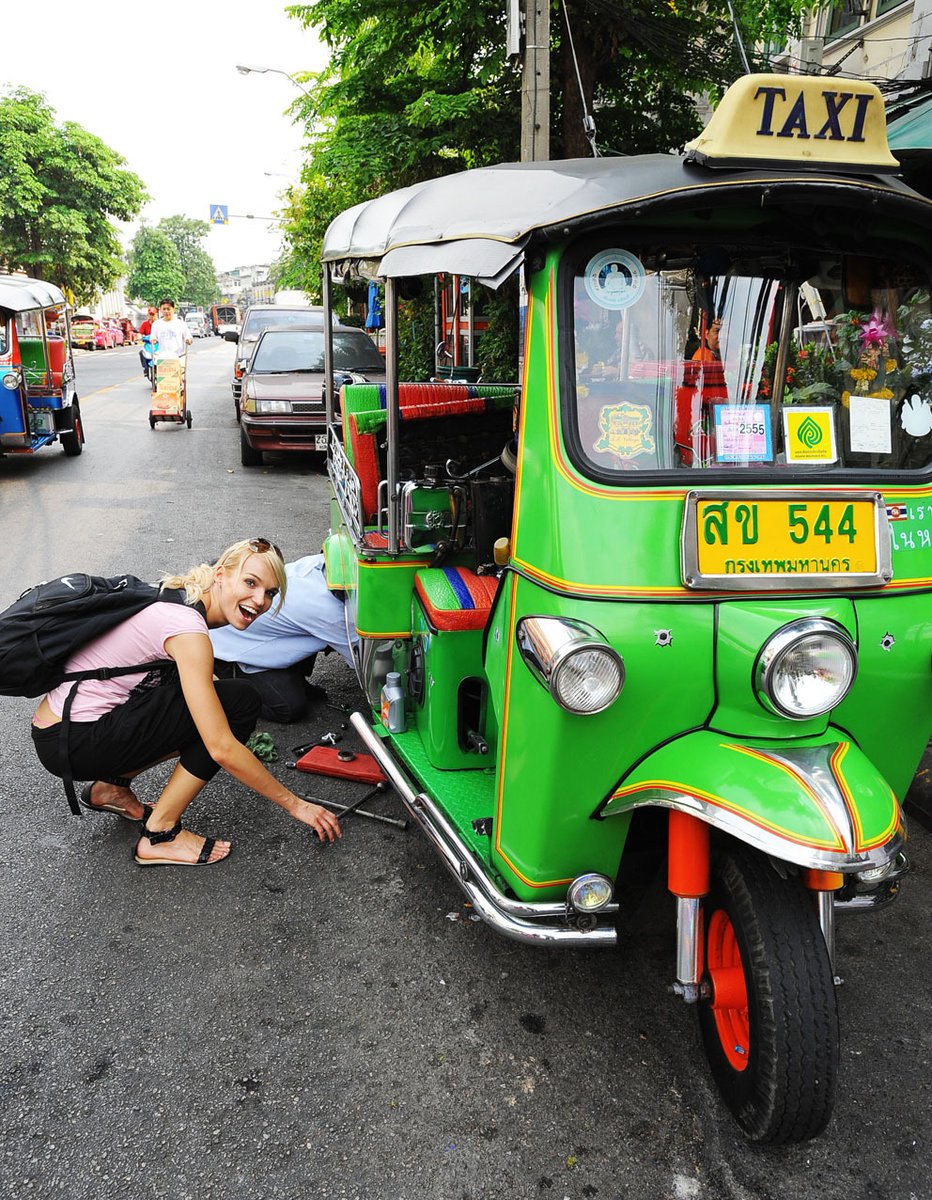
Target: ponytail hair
point(198, 581)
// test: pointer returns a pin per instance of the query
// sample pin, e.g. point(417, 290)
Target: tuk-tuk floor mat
point(465, 796)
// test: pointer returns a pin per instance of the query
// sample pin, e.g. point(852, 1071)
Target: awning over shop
point(911, 127)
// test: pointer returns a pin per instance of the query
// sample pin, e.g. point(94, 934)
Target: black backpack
point(52, 621)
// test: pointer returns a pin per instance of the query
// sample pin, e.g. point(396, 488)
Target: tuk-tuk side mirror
point(231, 336)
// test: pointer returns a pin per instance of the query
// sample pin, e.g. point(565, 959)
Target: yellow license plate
point(792, 539)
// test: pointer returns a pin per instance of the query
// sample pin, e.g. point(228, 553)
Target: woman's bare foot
point(185, 849)
point(108, 797)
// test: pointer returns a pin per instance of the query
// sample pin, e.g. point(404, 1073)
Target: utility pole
point(535, 84)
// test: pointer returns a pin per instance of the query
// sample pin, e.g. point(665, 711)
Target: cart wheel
point(187, 418)
point(770, 1022)
point(247, 455)
point(72, 441)
point(151, 421)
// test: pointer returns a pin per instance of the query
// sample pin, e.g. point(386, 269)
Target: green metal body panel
point(743, 628)
point(887, 711)
point(385, 587)
point(450, 658)
point(339, 561)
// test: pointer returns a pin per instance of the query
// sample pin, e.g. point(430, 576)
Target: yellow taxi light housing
point(810, 122)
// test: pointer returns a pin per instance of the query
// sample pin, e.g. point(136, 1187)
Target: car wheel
point(248, 456)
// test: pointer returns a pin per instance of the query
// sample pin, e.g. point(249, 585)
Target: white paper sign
point(869, 425)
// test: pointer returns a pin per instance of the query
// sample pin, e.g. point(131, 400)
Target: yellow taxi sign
point(813, 122)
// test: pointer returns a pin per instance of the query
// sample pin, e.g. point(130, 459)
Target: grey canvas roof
point(19, 294)
point(478, 222)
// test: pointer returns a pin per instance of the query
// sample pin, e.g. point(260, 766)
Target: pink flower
point(876, 331)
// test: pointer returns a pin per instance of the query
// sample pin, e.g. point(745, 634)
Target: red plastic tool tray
point(323, 760)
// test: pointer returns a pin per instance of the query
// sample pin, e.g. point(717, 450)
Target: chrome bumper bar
point(544, 924)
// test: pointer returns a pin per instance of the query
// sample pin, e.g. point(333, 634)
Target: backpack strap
point(64, 727)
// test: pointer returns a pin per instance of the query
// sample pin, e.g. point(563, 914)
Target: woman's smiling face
point(248, 591)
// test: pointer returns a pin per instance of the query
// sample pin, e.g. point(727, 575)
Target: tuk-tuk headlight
point(11, 380)
point(589, 893)
point(581, 670)
point(806, 668)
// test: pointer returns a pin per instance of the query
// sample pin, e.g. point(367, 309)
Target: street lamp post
point(273, 71)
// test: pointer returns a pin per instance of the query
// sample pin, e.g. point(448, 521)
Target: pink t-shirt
point(140, 639)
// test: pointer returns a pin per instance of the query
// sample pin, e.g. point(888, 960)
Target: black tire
point(236, 406)
point(247, 455)
point(780, 1085)
point(152, 422)
point(72, 440)
point(187, 418)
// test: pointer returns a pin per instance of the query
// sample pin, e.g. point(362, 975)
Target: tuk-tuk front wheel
point(72, 440)
point(769, 1022)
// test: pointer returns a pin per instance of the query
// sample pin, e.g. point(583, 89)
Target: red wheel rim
point(729, 990)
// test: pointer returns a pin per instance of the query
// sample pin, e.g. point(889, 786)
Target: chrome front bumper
point(537, 924)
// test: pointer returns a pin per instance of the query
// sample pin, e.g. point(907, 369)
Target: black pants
point(150, 726)
point(282, 690)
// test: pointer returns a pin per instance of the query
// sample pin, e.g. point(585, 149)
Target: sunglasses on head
point(261, 545)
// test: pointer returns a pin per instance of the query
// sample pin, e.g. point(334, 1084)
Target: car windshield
point(737, 358)
point(303, 350)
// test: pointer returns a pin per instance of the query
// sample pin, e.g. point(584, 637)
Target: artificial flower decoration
point(876, 330)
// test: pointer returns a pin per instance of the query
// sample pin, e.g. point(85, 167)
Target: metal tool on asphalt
point(342, 809)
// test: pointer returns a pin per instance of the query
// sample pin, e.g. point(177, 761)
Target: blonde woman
point(121, 726)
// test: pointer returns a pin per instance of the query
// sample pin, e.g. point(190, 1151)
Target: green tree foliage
point(155, 267)
point(59, 187)
point(414, 91)
point(200, 275)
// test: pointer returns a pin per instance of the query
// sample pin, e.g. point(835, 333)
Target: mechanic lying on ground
point(277, 652)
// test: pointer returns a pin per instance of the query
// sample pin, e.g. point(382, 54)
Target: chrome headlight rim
point(11, 380)
point(591, 883)
point(574, 637)
point(788, 638)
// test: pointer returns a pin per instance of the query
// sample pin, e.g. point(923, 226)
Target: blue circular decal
point(614, 279)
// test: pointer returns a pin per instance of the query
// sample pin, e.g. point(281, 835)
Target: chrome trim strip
point(505, 915)
point(826, 905)
point(764, 840)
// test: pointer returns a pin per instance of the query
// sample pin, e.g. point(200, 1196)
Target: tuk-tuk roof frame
point(18, 294)
point(477, 223)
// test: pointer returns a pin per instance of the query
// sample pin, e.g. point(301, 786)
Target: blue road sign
point(220, 214)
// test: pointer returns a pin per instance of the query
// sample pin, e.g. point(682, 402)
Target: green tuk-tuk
point(664, 604)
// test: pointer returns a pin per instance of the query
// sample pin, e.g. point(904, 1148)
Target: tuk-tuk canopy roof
point(20, 294)
point(477, 222)
point(769, 132)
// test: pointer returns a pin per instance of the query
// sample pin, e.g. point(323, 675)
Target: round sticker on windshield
point(614, 279)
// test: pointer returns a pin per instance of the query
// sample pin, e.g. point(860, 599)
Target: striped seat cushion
point(455, 597)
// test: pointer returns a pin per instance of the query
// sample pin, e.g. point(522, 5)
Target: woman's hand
point(324, 823)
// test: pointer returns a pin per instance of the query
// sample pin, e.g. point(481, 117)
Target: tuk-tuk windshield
point(733, 358)
point(4, 335)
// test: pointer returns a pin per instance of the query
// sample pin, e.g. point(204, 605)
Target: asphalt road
point(304, 1021)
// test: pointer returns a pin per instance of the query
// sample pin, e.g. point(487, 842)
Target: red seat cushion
point(455, 597)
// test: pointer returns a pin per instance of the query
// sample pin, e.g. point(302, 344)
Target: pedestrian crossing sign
point(220, 214)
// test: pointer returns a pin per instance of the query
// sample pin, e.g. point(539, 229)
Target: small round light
point(11, 380)
point(589, 893)
point(587, 680)
point(806, 668)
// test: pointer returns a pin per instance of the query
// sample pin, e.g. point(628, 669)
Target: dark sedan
point(282, 402)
